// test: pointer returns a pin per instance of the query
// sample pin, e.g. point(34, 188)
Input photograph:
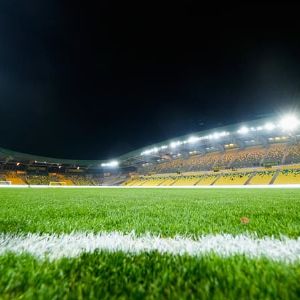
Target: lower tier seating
point(262, 177)
point(233, 179)
point(251, 177)
point(288, 177)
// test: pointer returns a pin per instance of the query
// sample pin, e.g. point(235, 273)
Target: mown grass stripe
point(55, 246)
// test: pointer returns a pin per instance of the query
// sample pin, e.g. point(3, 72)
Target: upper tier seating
point(293, 154)
point(275, 154)
point(249, 157)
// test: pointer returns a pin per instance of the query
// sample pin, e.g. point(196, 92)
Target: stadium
point(149, 150)
point(263, 152)
point(212, 228)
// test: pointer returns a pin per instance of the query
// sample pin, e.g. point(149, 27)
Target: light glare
point(289, 123)
point(269, 126)
point(243, 130)
point(110, 164)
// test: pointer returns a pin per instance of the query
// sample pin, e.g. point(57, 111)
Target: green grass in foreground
point(151, 276)
point(147, 276)
point(161, 211)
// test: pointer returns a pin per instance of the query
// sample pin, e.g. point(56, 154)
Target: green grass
point(147, 276)
point(152, 276)
point(162, 211)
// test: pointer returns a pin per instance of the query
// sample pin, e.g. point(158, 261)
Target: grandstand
point(260, 152)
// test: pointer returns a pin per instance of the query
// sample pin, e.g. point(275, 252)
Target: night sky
point(94, 81)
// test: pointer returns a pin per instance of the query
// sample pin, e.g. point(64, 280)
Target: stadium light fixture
point(216, 135)
point(111, 164)
point(175, 144)
point(269, 126)
point(193, 139)
point(289, 123)
point(243, 130)
point(151, 151)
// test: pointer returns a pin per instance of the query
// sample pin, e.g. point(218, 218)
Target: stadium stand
point(62, 178)
point(169, 181)
point(288, 176)
point(186, 181)
point(207, 179)
point(250, 157)
point(14, 178)
point(263, 152)
point(81, 179)
point(37, 179)
point(262, 177)
point(275, 154)
point(155, 181)
point(233, 179)
point(293, 154)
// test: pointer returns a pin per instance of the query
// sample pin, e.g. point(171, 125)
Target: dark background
point(93, 81)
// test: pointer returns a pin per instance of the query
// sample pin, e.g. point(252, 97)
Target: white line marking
point(72, 245)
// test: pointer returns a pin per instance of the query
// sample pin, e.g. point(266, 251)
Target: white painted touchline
point(55, 246)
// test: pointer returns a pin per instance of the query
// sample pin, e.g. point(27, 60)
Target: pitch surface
point(166, 213)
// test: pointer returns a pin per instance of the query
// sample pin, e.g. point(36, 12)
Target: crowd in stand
point(275, 154)
point(47, 179)
point(83, 179)
point(251, 157)
point(37, 179)
point(293, 155)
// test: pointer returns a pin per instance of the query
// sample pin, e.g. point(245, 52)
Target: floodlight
point(175, 144)
point(243, 130)
point(269, 126)
point(289, 123)
point(193, 139)
point(110, 164)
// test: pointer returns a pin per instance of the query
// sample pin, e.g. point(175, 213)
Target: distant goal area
point(5, 182)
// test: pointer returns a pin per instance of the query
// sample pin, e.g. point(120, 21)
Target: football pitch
point(150, 243)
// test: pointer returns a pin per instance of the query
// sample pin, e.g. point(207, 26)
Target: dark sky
point(93, 81)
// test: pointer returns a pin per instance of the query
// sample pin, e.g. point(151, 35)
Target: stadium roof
point(258, 132)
